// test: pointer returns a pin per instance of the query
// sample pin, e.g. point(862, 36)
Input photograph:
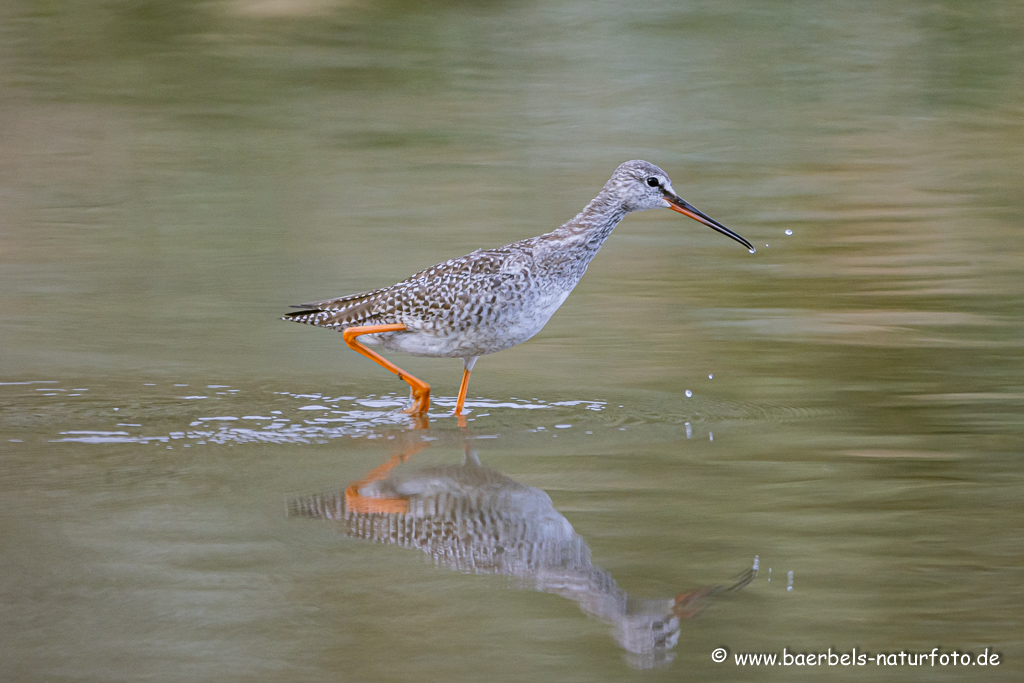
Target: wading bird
point(493, 299)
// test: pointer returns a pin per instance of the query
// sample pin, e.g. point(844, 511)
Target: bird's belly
point(432, 343)
point(490, 332)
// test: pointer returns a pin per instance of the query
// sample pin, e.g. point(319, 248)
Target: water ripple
point(146, 414)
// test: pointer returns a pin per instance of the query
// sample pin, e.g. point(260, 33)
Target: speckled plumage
point(492, 299)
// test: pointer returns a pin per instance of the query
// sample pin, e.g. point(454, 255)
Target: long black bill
point(677, 204)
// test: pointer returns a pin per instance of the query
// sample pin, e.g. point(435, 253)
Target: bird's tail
point(335, 313)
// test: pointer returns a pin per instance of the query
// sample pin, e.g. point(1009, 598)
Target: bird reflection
point(474, 519)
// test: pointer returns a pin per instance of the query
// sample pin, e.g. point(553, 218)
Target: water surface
point(846, 405)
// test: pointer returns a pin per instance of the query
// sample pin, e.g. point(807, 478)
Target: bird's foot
point(420, 401)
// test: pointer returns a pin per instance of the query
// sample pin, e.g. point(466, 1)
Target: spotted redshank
point(493, 299)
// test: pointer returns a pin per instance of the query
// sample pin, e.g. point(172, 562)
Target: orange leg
point(420, 389)
point(464, 387)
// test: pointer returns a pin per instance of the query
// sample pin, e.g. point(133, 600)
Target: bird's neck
point(564, 253)
point(589, 229)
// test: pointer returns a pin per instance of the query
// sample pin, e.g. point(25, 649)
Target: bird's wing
point(480, 263)
point(442, 286)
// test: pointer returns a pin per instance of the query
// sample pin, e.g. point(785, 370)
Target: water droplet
point(767, 245)
point(789, 232)
point(711, 376)
point(711, 437)
point(689, 393)
point(752, 250)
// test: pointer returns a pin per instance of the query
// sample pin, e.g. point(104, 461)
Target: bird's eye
point(653, 182)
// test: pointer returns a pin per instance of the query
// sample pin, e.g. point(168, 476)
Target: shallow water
point(846, 405)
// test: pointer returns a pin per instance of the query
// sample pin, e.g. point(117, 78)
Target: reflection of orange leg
point(420, 389)
point(690, 604)
point(464, 387)
point(356, 502)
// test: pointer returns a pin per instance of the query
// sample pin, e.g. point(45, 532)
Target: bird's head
point(641, 185)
